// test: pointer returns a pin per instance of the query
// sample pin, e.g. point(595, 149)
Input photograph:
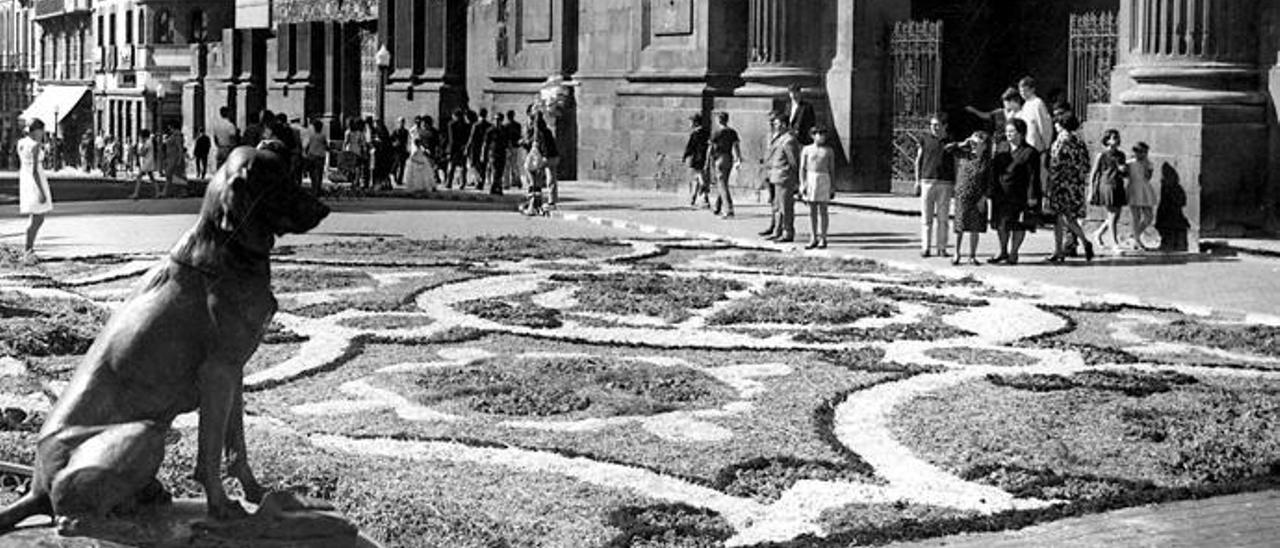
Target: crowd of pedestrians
point(469, 150)
point(1030, 169)
point(799, 164)
point(1034, 168)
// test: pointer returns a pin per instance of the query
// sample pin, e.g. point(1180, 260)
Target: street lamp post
point(383, 59)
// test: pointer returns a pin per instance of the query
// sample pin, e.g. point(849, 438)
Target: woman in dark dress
point(1107, 185)
point(973, 181)
point(1016, 191)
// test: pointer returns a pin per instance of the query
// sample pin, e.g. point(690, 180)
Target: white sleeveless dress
point(29, 154)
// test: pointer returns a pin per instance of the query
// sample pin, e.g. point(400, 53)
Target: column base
point(1194, 84)
point(1210, 163)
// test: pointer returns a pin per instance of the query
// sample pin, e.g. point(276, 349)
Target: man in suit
point(800, 116)
point(782, 163)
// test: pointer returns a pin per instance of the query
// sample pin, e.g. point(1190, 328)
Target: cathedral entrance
point(956, 54)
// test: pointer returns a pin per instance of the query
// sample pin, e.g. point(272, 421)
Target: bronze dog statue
point(179, 343)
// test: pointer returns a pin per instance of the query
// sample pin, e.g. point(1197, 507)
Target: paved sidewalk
point(1239, 521)
point(1215, 281)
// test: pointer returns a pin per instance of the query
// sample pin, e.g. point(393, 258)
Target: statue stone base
point(284, 520)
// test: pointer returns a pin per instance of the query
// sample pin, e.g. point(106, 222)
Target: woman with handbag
point(1015, 198)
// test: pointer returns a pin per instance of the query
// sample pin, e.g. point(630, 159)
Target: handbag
point(535, 161)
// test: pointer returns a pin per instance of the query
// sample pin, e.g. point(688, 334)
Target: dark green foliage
point(980, 356)
point(928, 329)
point(668, 526)
point(521, 312)
point(544, 387)
point(1255, 339)
point(47, 327)
point(647, 293)
point(765, 479)
point(805, 304)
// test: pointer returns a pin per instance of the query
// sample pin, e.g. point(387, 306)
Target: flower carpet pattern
point(525, 391)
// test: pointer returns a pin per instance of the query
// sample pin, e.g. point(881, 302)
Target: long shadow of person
point(1171, 223)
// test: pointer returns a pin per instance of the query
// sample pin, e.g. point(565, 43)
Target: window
point(142, 26)
point(128, 27)
point(164, 27)
point(199, 27)
point(102, 30)
point(111, 30)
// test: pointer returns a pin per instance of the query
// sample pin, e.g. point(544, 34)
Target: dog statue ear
point(228, 215)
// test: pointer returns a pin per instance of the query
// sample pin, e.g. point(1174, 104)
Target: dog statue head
point(252, 199)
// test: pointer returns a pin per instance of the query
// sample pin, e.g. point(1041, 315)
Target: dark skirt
point(1011, 216)
point(1110, 194)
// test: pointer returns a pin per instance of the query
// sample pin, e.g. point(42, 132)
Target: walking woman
point(544, 142)
point(1016, 193)
point(356, 148)
point(1107, 190)
point(695, 157)
point(817, 171)
point(146, 165)
point(973, 183)
point(1068, 172)
point(34, 198)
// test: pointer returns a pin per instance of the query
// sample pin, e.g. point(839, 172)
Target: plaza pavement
point(1222, 282)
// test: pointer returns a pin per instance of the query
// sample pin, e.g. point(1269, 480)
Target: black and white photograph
point(639, 273)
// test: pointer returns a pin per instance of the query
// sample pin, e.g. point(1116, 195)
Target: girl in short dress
point(973, 181)
point(1142, 196)
point(817, 167)
point(34, 198)
point(1107, 185)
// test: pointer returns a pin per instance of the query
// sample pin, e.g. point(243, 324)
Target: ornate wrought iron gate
point(915, 48)
point(1092, 55)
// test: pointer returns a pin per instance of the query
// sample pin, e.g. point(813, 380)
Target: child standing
point(1107, 185)
point(973, 180)
point(817, 171)
point(1142, 196)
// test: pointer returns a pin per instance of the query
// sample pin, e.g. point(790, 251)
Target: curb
point(995, 280)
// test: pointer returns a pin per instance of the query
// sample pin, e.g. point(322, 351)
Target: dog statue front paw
point(227, 510)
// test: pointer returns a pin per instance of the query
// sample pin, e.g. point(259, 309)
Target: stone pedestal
point(1213, 158)
point(183, 524)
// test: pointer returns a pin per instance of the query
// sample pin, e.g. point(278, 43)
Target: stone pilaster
point(1191, 52)
point(779, 50)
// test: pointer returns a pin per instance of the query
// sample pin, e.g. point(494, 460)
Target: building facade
point(16, 62)
point(64, 78)
point(149, 59)
point(1196, 79)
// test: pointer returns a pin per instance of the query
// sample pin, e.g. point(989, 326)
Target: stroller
point(535, 202)
point(342, 172)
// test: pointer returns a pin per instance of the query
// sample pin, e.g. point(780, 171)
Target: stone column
point(779, 51)
point(1197, 52)
point(1192, 89)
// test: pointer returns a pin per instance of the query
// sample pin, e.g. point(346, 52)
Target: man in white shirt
point(225, 136)
point(1036, 114)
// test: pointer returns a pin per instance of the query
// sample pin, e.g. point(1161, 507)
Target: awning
point(54, 103)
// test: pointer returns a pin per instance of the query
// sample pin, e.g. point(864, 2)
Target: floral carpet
point(535, 392)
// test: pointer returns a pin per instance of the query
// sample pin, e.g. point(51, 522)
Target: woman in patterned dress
point(1068, 172)
point(973, 180)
